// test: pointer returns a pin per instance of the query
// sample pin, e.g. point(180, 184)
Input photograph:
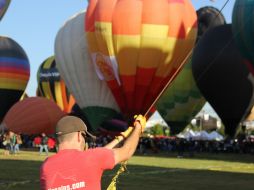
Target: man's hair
point(66, 137)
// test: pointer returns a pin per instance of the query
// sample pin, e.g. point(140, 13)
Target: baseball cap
point(70, 124)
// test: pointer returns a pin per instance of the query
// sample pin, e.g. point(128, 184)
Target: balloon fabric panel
point(44, 83)
point(4, 4)
point(74, 63)
point(67, 98)
point(137, 56)
point(52, 86)
point(11, 96)
point(14, 65)
point(59, 95)
point(243, 27)
point(33, 115)
point(14, 73)
point(208, 17)
point(181, 101)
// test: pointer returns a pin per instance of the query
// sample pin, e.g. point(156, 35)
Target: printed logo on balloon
point(106, 67)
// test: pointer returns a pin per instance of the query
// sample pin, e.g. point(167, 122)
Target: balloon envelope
point(4, 4)
point(73, 62)
point(222, 77)
point(138, 46)
point(208, 17)
point(181, 101)
point(14, 73)
point(77, 111)
point(51, 85)
point(115, 125)
point(33, 115)
point(243, 27)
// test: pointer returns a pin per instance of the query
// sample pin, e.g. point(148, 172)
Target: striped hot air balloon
point(182, 100)
point(4, 4)
point(51, 85)
point(14, 73)
point(91, 94)
point(138, 46)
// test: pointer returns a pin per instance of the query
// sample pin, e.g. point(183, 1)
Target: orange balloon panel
point(137, 46)
point(33, 115)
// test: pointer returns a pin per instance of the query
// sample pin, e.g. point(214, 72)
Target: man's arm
point(130, 145)
point(119, 138)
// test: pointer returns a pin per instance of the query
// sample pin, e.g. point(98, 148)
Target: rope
point(123, 168)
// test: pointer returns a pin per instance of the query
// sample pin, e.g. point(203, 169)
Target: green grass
point(150, 172)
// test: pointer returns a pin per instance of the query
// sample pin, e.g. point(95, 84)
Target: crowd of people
point(12, 142)
point(164, 144)
point(189, 147)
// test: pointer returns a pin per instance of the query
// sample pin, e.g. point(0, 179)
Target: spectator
point(18, 143)
point(44, 144)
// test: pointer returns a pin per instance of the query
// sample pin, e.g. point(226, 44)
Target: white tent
point(188, 134)
point(155, 119)
point(215, 136)
point(200, 135)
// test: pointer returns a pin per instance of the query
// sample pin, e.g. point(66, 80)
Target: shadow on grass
point(153, 178)
point(19, 174)
point(24, 175)
point(230, 157)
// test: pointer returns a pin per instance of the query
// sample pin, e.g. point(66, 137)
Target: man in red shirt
point(73, 168)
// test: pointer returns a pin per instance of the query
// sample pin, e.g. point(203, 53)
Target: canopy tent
point(200, 135)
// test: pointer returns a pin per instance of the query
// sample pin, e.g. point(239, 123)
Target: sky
point(35, 23)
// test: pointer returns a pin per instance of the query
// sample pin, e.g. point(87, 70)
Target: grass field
point(150, 172)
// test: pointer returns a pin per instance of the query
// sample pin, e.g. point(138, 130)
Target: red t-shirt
point(73, 169)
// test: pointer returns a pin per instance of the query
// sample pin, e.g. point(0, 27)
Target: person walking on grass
point(44, 144)
point(77, 167)
point(18, 143)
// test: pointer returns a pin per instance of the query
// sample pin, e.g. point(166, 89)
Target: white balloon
point(74, 64)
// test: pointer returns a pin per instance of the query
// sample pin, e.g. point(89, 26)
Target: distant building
point(207, 122)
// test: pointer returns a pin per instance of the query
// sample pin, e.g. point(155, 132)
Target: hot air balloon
point(51, 85)
point(4, 4)
point(222, 78)
point(182, 100)
point(208, 17)
point(137, 47)
point(14, 73)
point(74, 65)
point(243, 29)
point(33, 115)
